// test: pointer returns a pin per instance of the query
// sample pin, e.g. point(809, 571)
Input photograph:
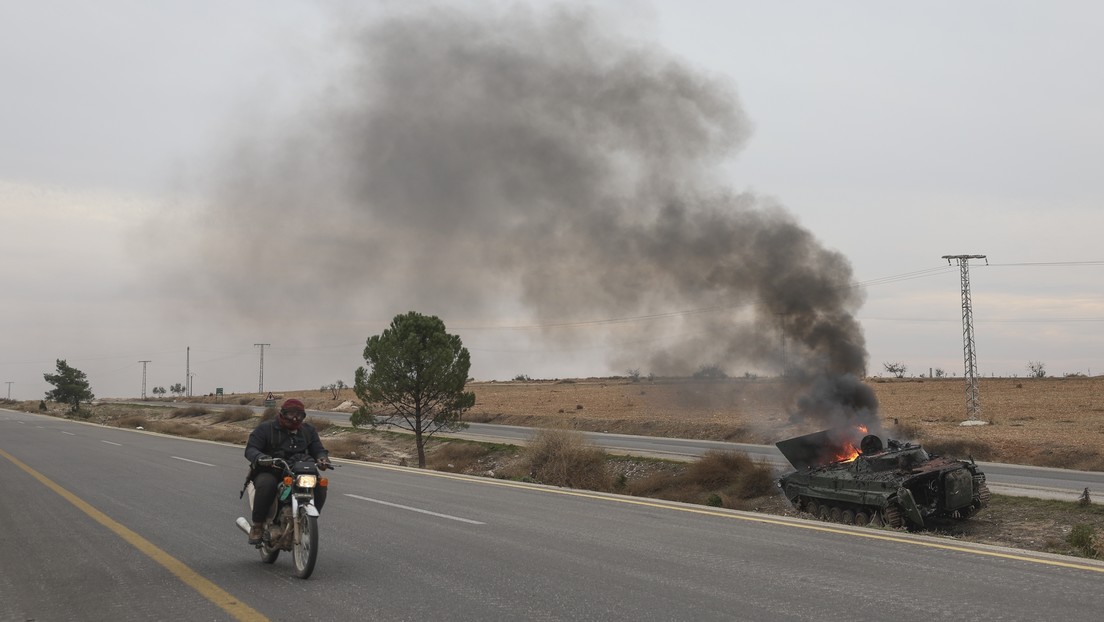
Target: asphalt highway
point(103, 523)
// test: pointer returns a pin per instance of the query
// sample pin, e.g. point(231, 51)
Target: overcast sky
point(894, 133)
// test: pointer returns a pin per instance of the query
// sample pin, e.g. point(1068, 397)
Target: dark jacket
point(269, 439)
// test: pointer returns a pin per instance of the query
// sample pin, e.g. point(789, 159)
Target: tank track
point(983, 495)
point(892, 516)
point(846, 515)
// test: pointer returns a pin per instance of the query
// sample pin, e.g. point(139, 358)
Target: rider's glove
point(262, 461)
point(324, 463)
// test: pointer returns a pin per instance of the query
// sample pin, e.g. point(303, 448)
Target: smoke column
point(465, 156)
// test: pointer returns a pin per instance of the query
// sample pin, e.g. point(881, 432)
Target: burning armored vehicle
point(901, 485)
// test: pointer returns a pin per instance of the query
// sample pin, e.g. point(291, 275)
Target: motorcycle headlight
point(306, 481)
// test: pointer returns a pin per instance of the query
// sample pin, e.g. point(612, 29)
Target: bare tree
point(897, 369)
point(1036, 369)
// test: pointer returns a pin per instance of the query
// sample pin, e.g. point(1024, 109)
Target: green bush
point(1081, 538)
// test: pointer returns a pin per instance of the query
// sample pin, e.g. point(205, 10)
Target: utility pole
point(260, 381)
point(188, 371)
point(144, 377)
point(969, 356)
point(10, 383)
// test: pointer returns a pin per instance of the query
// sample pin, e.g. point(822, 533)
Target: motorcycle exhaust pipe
point(243, 524)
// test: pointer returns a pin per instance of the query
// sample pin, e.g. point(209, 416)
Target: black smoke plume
point(462, 158)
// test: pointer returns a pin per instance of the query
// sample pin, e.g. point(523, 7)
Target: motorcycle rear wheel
point(306, 551)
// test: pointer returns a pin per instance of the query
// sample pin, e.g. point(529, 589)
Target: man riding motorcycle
point(286, 436)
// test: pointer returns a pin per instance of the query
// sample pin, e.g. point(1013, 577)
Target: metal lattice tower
point(144, 377)
point(260, 381)
point(969, 355)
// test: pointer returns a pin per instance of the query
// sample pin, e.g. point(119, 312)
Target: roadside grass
point(232, 415)
point(131, 421)
point(721, 479)
point(563, 458)
point(1053, 526)
point(474, 457)
point(321, 424)
point(456, 457)
point(188, 412)
point(350, 447)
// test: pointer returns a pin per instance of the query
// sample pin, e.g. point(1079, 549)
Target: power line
point(1049, 263)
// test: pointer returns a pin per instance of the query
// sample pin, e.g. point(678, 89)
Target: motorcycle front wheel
point(306, 550)
point(268, 554)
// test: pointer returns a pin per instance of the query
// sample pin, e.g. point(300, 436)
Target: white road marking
point(69, 433)
point(406, 507)
point(110, 443)
point(192, 461)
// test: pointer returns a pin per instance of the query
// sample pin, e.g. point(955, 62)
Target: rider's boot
point(255, 533)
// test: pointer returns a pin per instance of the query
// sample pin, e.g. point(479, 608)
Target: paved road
point(1008, 479)
point(111, 524)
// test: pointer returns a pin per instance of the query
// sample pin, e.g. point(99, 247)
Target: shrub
point(716, 477)
point(245, 401)
point(456, 457)
point(189, 411)
point(564, 458)
point(350, 447)
point(132, 421)
point(320, 423)
point(231, 415)
point(1081, 538)
point(709, 372)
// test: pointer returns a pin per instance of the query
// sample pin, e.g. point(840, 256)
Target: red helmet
point(292, 414)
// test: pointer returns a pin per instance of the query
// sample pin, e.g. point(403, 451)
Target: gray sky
point(178, 175)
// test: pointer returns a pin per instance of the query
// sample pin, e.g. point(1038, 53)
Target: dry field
point(1057, 422)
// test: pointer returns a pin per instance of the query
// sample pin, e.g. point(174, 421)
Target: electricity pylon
point(969, 355)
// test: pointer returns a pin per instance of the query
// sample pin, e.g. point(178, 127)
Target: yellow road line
point(209, 590)
point(873, 535)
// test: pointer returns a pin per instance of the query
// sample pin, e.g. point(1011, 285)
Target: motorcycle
point(292, 522)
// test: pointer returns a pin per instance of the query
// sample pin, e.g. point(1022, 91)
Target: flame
point(848, 451)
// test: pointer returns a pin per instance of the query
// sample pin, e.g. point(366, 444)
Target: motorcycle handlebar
point(285, 465)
